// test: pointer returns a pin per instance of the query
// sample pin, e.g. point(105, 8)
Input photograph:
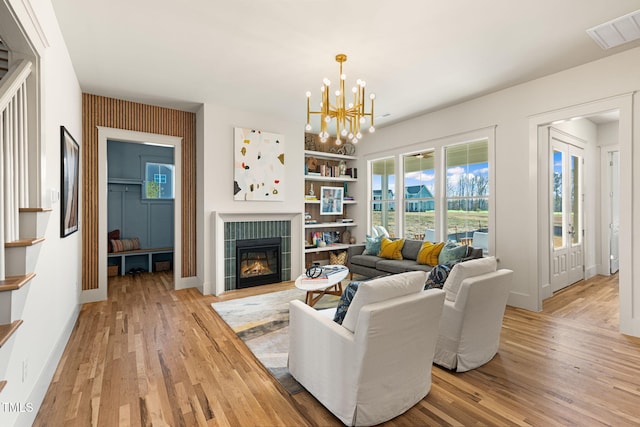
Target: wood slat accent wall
point(120, 114)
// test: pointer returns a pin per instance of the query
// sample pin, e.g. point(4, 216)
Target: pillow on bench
point(125, 245)
point(112, 235)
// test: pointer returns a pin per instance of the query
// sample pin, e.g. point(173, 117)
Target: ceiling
point(263, 55)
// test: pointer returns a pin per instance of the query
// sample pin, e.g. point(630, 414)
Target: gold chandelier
point(349, 117)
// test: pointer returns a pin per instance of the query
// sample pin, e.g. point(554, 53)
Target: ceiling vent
point(617, 31)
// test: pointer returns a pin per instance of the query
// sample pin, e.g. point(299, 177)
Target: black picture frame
point(69, 183)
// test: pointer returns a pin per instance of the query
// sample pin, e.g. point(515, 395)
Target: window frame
point(146, 160)
point(446, 198)
point(391, 201)
point(438, 146)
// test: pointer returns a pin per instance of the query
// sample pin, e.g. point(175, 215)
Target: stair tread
point(11, 283)
point(2, 384)
point(24, 242)
point(7, 330)
point(35, 209)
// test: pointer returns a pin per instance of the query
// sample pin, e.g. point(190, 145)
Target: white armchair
point(378, 371)
point(469, 331)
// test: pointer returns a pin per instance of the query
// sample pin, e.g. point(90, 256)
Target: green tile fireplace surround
point(240, 230)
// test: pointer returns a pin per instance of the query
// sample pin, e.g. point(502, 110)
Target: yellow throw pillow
point(429, 252)
point(391, 249)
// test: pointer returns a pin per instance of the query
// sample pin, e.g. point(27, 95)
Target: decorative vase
point(342, 167)
point(352, 240)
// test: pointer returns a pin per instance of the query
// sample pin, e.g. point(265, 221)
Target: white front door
point(567, 230)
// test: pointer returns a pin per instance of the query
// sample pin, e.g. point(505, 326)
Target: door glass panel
point(574, 220)
point(558, 197)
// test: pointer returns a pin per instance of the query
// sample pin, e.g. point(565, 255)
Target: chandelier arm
point(371, 114)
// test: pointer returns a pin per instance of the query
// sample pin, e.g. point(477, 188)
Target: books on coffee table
point(324, 276)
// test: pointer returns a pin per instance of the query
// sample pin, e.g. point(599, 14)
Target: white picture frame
point(331, 200)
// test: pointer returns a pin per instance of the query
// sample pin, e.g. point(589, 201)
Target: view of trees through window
point(465, 195)
point(159, 181)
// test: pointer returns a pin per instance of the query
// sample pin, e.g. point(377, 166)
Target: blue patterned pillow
point(437, 276)
point(345, 300)
point(372, 245)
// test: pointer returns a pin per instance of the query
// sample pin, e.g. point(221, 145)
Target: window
point(159, 181)
point(467, 193)
point(383, 200)
point(444, 190)
point(419, 202)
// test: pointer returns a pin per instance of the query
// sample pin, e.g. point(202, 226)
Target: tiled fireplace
point(256, 233)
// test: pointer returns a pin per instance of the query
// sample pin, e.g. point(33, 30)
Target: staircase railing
point(14, 180)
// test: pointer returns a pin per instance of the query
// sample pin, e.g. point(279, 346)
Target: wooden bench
point(149, 252)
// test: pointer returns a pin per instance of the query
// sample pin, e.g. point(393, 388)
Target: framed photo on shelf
point(331, 237)
point(331, 200)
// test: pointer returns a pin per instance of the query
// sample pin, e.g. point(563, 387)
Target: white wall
point(51, 306)
point(215, 176)
point(608, 134)
point(511, 110)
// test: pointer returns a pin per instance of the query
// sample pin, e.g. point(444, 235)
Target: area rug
point(262, 322)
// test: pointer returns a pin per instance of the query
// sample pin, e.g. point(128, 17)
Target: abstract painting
point(258, 165)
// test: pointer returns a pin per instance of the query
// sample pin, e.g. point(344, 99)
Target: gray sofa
point(372, 265)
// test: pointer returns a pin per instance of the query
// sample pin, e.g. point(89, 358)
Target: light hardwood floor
point(152, 356)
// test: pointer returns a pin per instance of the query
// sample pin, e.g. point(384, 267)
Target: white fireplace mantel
point(219, 218)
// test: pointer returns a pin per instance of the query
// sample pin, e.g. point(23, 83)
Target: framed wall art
point(331, 200)
point(69, 185)
point(259, 172)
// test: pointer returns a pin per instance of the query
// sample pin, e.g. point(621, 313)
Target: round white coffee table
point(333, 286)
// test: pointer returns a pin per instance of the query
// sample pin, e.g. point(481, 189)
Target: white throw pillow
point(382, 289)
point(464, 270)
point(381, 231)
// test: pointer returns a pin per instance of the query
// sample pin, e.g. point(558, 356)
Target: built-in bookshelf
point(332, 173)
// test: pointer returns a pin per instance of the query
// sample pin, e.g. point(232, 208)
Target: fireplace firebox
point(258, 262)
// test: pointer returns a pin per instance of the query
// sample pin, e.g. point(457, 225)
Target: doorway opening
point(105, 134)
point(140, 207)
point(581, 184)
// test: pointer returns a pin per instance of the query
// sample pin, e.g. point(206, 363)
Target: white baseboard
point(590, 271)
point(49, 370)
